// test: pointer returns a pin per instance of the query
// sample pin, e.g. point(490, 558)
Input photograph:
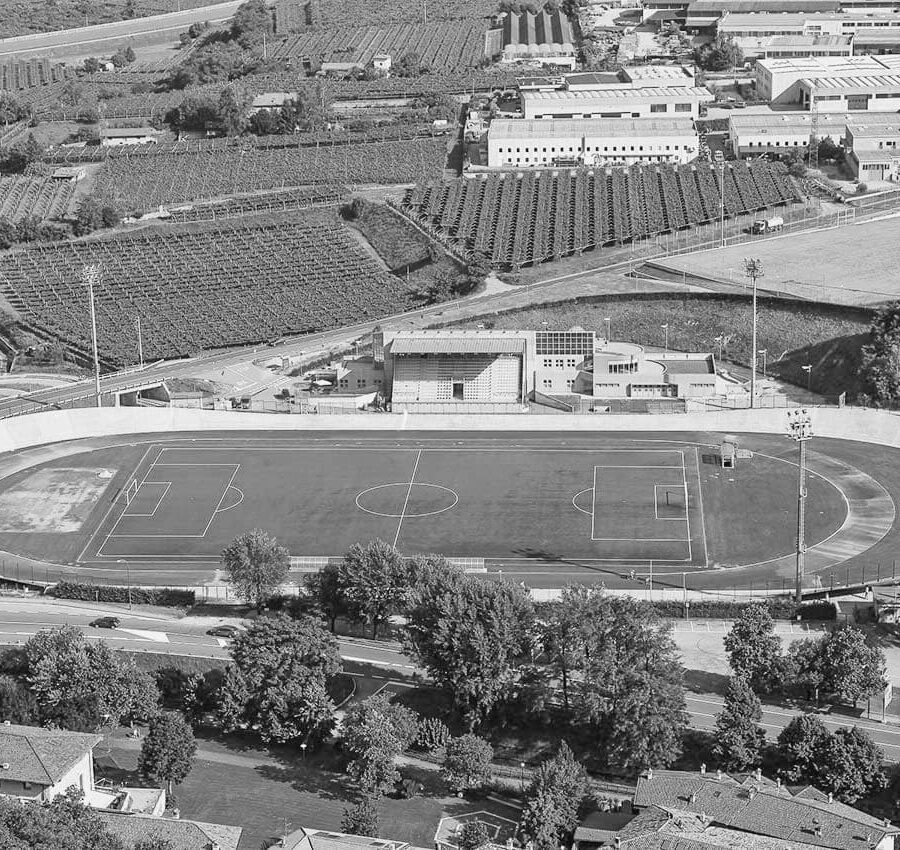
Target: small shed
point(68, 173)
point(115, 136)
point(382, 62)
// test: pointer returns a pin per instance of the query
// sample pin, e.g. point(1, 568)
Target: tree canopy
point(467, 762)
point(63, 824)
point(739, 737)
point(167, 753)
point(374, 581)
point(880, 367)
point(754, 650)
point(255, 564)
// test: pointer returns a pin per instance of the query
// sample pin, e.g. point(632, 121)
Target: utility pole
point(722, 205)
point(813, 155)
point(753, 270)
point(89, 276)
point(800, 431)
point(140, 342)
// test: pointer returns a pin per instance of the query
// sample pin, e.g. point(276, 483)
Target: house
point(40, 764)
point(116, 136)
point(69, 173)
point(701, 811)
point(381, 63)
point(319, 839)
point(180, 834)
point(271, 100)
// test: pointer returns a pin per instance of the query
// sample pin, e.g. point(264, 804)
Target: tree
point(256, 566)
point(852, 668)
point(850, 765)
point(630, 682)
point(409, 65)
point(362, 819)
point(17, 705)
point(12, 108)
point(472, 835)
point(470, 635)
point(168, 751)
point(251, 22)
point(281, 666)
point(467, 762)
point(554, 800)
point(232, 700)
point(723, 54)
point(803, 667)
point(374, 733)
point(880, 367)
point(374, 580)
point(70, 677)
point(325, 588)
point(739, 737)
point(754, 650)
point(63, 824)
point(561, 626)
point(799, 745)
point(233, 109)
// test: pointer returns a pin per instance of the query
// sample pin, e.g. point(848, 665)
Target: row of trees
point(880, 368)
point(839, 665)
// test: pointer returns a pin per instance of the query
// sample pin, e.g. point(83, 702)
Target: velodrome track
point(505, 488)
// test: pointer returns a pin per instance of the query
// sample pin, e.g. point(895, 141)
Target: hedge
point(716, 609)
point(166, 596)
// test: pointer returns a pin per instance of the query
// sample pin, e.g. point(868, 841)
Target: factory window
point(640, 148)
point(635, 114)
point(682, 107)
point(548, 384)
point(667, 147)
point(547, 362)
point(571, 363)
point(560, 364)
point(605, 150)
point(343, 383)
point(569, 384)
point(657, 107)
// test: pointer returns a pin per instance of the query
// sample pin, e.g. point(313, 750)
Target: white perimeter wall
point(869, 426)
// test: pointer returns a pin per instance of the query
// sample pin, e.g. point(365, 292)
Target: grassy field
point(854, 265)
point(396, 242)
point(794, 334)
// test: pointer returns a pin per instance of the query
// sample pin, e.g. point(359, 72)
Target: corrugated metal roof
point(545, 128)
point(457, 345)
point(635, 93)
point(873, 35)
point(719, 7)
point(861, 84)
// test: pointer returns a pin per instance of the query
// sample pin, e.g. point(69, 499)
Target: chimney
point(887, 821)
point(692, 799)
point(830, 798)
point(649, 773)
point(703, 769)
point(751, 792)
point(718, 775)
point(778, 783)
point(7, 723)
point(759, 774)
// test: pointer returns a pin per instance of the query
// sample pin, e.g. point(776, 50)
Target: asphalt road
point(155, 28)
point(141, 632)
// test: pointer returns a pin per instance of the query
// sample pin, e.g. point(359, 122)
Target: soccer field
point(585, 507)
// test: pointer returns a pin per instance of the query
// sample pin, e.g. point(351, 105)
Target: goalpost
point(131, 491)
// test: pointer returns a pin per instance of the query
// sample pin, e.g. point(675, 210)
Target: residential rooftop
point(41, 756)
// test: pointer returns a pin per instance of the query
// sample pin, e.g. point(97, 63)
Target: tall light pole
point(722, 204)
point(607, 319)
point(719, 341)
point(89, 276)
point(800, 431)
point(128, 574)
point(753, 270)
point(808, 369)
point(764, 352)
point(137, 325)
point(665, 327)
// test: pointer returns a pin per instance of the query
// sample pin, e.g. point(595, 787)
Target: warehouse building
point(873, 150)
point(545, 37)
point(798, 46)
point(779, 80)
point(615, 103)
point(703, 16)
point(864, 93)
point(520, 143)
point(501, 370)
point(763, 25)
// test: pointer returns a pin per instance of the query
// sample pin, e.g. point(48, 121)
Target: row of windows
point(559, 363)
point(563, 342)
point(344, 383)
point(548, 384)
point(654, 107)
point(606, 149)
point(775, 144)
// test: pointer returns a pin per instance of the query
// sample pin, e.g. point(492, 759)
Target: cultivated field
point(517, 219)
point(300, 14)
point(854, 264)
point(220, 286)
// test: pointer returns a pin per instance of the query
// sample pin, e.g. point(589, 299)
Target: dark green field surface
point(543, 505)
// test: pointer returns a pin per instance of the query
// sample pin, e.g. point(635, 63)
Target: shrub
point(165, 596)
point(433, 734)
point(716, 609)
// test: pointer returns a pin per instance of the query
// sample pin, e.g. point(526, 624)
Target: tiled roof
point(181, 834)
point(41, 756)
point(317, 839)
point(762, 810)
point(458, 345)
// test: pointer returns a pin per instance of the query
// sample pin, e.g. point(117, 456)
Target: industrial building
point(545, 37)
point(519, 143)
point(790, 81)
point(873, 150)
point(501, 370)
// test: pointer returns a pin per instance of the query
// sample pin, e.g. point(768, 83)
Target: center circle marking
point(405, 488)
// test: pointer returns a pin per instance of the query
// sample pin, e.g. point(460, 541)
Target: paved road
point(143, 632)
point(155, 28)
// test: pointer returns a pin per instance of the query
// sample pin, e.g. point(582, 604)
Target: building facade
point(543, 143)
point(873, 151)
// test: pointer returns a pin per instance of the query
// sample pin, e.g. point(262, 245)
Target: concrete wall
point(858, 424)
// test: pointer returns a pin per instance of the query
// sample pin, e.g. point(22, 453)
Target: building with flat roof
point(778, 80)
point(705, 15)
point(522, 143)
point(619, 102)
point(799, 46)
point(864, 93)
point(873, 150)
point(500, 370)
point(877, 42)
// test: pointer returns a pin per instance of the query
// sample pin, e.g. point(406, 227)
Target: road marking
point(157, 637)
point(406, 500)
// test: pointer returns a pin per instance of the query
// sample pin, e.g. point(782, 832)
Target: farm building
point(787, 81)
point(545, 37)
point(873, 150)
point(271, 100)
point(596, 141)
point(472, 370)
point(116, 136)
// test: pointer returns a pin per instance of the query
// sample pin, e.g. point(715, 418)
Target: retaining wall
point(859, 424)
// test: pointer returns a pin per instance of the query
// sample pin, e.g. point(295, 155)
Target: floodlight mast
point(89, 276)
point(753, 269)
point(800, 431)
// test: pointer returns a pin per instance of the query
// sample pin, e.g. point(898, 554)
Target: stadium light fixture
point(89, 276)
point(665, 328)
point(753, 269)
point(800, 431)
point(808, 369)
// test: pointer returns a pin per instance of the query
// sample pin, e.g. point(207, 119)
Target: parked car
point(224, 631)
point(105, 623)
